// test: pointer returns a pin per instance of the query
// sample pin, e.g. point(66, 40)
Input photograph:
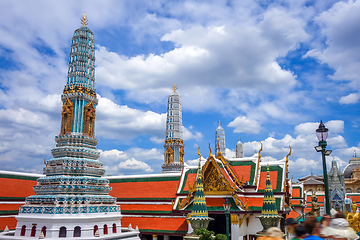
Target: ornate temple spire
point(239, 149)
point(79, 96)
point(220, 137)
point(269, 214)
point(269, 205)
point(199, 213)
point(199, 208)
point(73, 188)
point(174, 144)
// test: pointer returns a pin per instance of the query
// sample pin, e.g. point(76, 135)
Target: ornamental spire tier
point(72, 198)
point(174, 144)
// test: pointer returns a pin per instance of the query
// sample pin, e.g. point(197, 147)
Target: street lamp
point(227, 206)
point(322, 134)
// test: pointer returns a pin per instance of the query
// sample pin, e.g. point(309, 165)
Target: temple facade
point(174, 144)
point(72, 198)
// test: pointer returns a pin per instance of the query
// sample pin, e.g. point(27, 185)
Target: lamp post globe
point(322, 134)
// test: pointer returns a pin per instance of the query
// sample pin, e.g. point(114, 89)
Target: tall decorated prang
point(174, 144)
point(72, 198)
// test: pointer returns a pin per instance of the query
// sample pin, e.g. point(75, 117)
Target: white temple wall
point(86, 224)
point(253, 228)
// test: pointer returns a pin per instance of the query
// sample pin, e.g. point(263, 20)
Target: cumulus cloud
point(131, 161)
point(340, 26)
point(350, 99)
point(133, 164)
point(122, 122)
point(242, 124)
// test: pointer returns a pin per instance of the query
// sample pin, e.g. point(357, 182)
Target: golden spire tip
point(84, 20)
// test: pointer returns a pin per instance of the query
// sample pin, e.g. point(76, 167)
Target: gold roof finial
point(219, 123)
point(175, 87)
point(210, 150)
point(239, 139)
point(84, 20)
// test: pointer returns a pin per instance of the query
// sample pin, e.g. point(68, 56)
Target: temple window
point(105, 229)
point(62, 232)
point(77, 231)
point(358, 190)
point(96, 228)
point(43, 230)
point(23, 230)
point(114, 228)
point(348, 190)
point(33, 231)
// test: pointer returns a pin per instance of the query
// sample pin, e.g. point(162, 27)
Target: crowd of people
point(335, 228)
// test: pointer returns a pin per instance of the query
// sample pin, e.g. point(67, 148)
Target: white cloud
point(340, 25)
point(187, 134)
point(350, 99)
point(121, 122)
point(133, 164)
point(131, 161)
point(242, 124)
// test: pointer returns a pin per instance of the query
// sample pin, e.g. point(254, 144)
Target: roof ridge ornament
point(210, 155)
point(175, 87)
point(84, 20)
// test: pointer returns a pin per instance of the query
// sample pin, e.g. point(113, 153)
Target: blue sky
point(268, 70)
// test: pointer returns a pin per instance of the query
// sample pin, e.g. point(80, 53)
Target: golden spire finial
point(199, 152)
point(84, 20)
point(219, 123)
point(210, 149)
point(175, 87)
point(239, 139)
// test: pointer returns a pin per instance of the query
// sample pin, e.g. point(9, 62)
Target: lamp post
point(322, 133)
point(227, 206)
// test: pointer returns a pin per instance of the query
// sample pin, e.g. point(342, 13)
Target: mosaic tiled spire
point(199, 214)
point(174, 144)
point(199, 208)
point(73, 183)
point(269, 205)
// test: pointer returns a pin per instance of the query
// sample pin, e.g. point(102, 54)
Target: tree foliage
point(209, 235)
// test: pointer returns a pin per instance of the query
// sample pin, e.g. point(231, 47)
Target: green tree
point(208, 235)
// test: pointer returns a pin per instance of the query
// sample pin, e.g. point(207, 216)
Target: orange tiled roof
point(153, 224)
point(243, 171)
point(144, 188)
point(273, 179)
point(10, 187)
point(296, 193)
point(8, 221)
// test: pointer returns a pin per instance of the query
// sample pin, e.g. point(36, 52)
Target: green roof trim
point(10, 176)
point(191, 171)
point(12, 198)
point(9, 212)
point(147, 179)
